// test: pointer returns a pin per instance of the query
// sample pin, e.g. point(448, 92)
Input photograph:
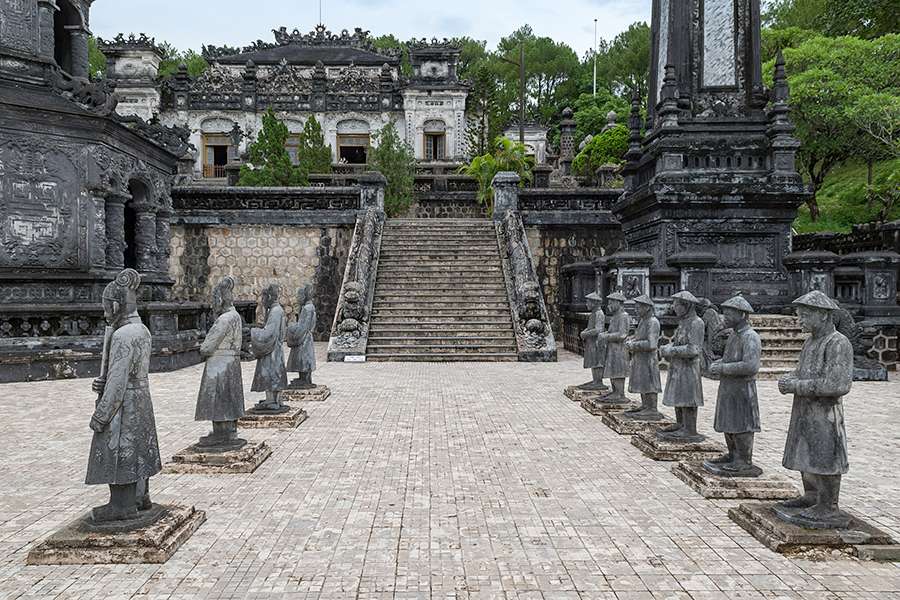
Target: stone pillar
point(566, 142)
point(163, 238)
point(506, 193)
point(46, 10)
point(879, 293)
point(541, 176)
point(601, 270)
point(97, 237)
point(371, 190)
point(695, 277)
point(115, 229)
point(145, 236)
point(79, 41)
point(632, 273)
point(812, 270)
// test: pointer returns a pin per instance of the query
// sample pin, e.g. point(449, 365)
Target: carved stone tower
point(711, 187)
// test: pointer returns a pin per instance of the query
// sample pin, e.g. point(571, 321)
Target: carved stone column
point(566, 141)
point(115, 229)
point(145, 236)
point(371, 193)
point(46, 10)
point(97, 238)
point(79, 40)
point(163, 238)
point(506, 193)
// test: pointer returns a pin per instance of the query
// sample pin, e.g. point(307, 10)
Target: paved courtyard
point(434, 481)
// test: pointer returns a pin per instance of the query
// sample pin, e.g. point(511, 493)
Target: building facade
point(349, 86)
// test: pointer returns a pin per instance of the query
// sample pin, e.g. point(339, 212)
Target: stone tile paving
point(445, 481)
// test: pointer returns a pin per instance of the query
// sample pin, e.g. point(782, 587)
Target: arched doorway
point(66, 20)
point(353, 141)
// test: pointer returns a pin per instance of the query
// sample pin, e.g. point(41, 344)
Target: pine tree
point(313, 154)
point(270, 164)
point(394, 159)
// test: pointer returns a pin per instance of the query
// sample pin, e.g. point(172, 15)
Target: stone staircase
point(782, 340)
point(440, 295)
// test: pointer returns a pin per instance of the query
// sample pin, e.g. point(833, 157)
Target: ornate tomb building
point(351, 88)
point(84, 193)
point(711, 189)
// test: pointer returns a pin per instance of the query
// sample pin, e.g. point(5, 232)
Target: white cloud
point(191, 23)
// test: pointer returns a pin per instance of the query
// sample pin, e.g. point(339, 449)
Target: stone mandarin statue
point(714, 324)
point(644, 373)
point(124, 451)
point(594, 351)
point(816, 442)
point(221, 396)
point(737, 405)
point(615, 366)
point(302, 358)
point(267, 344)
point(684, 389)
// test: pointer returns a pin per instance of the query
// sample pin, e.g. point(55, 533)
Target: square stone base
point(289, 419)
point(665, 450)
point(79, 544)
point(314, 394)
point(768, 486)
point(196, 459)
point(616, 421)
point(593, 405)
point(762, 523)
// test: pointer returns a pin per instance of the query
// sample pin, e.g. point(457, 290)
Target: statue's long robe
point(644, 375)
point(817, 439)
point(221, 396)
point(268, 346)
point(127, 450)
point(302, 358)
point(594, 351)
point(737, 405)
point(616, 364)
point(684, 388)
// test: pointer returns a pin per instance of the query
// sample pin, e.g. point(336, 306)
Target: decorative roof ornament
point(133, 42)
point(321, 36)
point(432, 44)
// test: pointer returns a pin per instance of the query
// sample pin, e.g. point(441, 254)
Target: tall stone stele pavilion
point(711, 187)
point(84, 193)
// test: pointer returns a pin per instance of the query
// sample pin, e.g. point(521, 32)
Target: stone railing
point(869, 237)
point(350, 330)
point(221, 198)
point(563, 199)
point(534, 334)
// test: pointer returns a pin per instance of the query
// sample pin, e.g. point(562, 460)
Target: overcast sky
point(191, 23)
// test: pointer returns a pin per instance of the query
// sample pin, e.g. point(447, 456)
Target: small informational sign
point(357, 358)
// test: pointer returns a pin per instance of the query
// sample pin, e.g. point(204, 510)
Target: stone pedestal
point(204, 460)
point(261, 419)
point(667, 450)
point(762, 523)
point(618, 422)
point(768, 486)
point(593, 404)
point(81, 543)
point(313, 394)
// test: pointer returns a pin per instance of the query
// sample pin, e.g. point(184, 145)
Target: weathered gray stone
point(653, 447)
point(766, 486)
point(289, 418)
point(596, 405)
point(317, 393)
point(302, 357)
point(684, 388)
point(761, 521)
point(196, 459)
point(620, 422)
point(267, 346)
point(78, 543)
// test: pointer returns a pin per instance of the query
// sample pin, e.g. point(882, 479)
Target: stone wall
point(447, 205)
point(258, 254)
point(553, 247)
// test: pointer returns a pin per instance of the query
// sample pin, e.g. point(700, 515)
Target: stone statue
point(302, 358)
point(643, 376)
point(594, 352)
point(684, 389)
point(267, 346)
point(737, 406)
point(615, 367)
point(714, 326)
point(124, 451)
point(221, 397)
point(816, 443)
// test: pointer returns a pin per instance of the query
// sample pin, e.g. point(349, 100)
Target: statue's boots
point(142, 495)
point(596, 384)
point(687, 433)
point(677, 425)
point(741, 464)
point(224, 434)
point(647, 411)
point(122, 504)
point(303, 381)
point(728, 457)
point(272, 402)
point(810, 494)
point(617, 395)
point(825, 513)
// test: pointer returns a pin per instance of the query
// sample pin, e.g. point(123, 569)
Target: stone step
point(441, 322)
point(439, 279)
point(442, 307)
point(772, 363)
point(448, 254)
point(415, 331)
point(508, 341)
point(449, 267)
point(476, 313)
point(384, 285)
point(447, 357)
point(461, 237)
point(452, 297)
point(467, 246)
point(476, 348)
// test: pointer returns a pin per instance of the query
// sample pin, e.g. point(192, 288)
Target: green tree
point(866, 19)
point(507, 156)
point(625, 66)
point(313, 154)
point(591, 112)
point(607, 148)
point(96, 60)
point(394, 158)
point(828, 78)
point(774, 40)
point(173, 58)
point(390, 42)
point(486, 111)
point(270, 164)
